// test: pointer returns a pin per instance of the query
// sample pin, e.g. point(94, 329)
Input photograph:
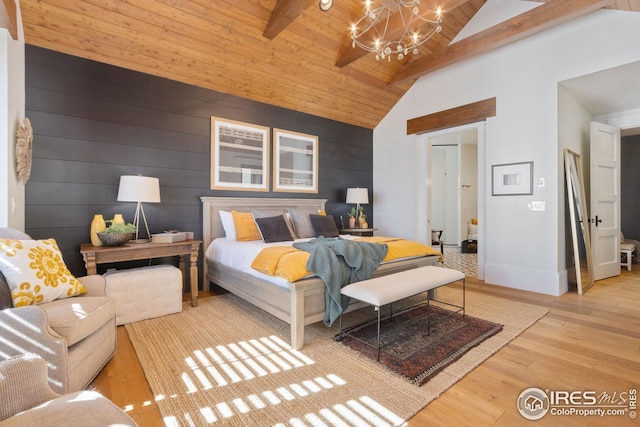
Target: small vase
point(364, 224)
point(117, 219)
point(97, 225)
point(352, 222)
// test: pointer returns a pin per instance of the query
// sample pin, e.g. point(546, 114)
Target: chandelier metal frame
point(375, 25)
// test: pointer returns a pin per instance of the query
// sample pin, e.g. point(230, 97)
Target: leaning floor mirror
point(578, 218)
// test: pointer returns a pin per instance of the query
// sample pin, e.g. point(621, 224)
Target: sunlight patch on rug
point(226, 363)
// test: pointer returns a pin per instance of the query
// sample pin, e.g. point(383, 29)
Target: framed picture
point(295, 162)
point(512, 179)
point(239, 156)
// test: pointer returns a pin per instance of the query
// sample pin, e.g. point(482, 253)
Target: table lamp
point(358, 196)
point(139, 189)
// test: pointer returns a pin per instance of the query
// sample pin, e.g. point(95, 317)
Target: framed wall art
point(239, 156)
point(295, 162)
point(512, 179)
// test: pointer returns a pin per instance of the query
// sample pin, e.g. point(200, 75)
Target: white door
point(605, 200)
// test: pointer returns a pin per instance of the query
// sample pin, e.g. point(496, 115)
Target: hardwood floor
point(586, 342)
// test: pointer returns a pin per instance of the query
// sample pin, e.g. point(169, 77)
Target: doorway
point(452, 201)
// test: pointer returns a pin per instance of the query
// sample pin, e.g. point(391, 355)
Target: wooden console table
point(187, 251)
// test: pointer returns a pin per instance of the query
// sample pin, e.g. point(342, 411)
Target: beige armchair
point(76, 336)
point(27, 400)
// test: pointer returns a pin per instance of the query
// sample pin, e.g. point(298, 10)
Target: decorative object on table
point(295, 162)
point(352, 218)
point(97, 226)
point(170, 236)
point(359, 196)
point(363, 221)
point(139, 189)
point(395, 27)
point(512, 179)
point(117, 234)
point(239, 156)
point(117, 219)
point(24, 149)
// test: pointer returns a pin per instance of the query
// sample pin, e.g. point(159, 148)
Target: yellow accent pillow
point(474, 221)
point(36, 272)
point(322, 212)
point(246, 227)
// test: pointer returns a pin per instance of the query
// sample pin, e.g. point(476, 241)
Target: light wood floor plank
point(586, 342)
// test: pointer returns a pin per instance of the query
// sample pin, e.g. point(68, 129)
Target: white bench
point(395, 287)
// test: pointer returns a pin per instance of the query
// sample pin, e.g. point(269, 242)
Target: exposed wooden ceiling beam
point(543, 17)
point(458, 116)
point(285, 12)
point(348, 53)
point(12, 13)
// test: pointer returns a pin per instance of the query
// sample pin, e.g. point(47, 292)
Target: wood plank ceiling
point(286, 53)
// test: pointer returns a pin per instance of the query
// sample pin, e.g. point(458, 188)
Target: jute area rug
point(227, 363)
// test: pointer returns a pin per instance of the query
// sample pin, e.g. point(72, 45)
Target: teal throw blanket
point(339, 262)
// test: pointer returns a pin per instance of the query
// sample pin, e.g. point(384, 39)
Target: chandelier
point(397, 27)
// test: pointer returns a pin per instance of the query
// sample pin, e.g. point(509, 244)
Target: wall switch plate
point(541, 182)
point(537, 206)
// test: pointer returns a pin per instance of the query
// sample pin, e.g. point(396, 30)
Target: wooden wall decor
point(458, 116)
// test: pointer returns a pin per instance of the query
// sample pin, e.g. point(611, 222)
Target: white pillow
point(227, 223)
point(473, 228)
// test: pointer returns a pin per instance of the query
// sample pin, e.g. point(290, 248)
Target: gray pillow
point(274, 229)
point(324, 225)
point(269, 212)
point(302, 222)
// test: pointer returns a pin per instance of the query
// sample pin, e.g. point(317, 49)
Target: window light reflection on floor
point(243, 361)
point(223, 365)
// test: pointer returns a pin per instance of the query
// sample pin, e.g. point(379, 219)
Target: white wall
point(522, 247)
point(12, 104)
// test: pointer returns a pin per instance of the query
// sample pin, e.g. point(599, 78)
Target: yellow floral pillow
point(36, 272)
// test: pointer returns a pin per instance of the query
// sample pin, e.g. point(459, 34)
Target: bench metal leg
point(378, 310)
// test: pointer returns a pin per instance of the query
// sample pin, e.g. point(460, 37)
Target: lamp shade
point(358, 196)
point(138, 188)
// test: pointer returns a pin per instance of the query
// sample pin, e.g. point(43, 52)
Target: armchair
point(27, 400)
point(76, 336)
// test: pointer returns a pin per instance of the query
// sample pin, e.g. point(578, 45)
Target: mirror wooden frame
point(579, 218)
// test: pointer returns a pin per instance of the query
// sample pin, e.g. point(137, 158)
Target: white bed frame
point(303, 302)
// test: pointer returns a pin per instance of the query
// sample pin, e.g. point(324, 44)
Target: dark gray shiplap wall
point(95, 122)
point(630, 187)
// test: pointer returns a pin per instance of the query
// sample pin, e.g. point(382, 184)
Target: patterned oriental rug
point(225, 363)
point(407, 347)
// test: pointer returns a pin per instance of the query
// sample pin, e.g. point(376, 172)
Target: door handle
point(598, 221)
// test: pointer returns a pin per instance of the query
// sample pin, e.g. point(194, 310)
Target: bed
point(299, 303)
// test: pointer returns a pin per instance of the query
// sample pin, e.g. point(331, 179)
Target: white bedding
point(240, 255)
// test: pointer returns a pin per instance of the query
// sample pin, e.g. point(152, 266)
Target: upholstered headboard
point(212, 226)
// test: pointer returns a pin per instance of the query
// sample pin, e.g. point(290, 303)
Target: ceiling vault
point(541, 18)
point(285, 53)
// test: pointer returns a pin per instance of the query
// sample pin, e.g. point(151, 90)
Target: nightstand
point(358, 231)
